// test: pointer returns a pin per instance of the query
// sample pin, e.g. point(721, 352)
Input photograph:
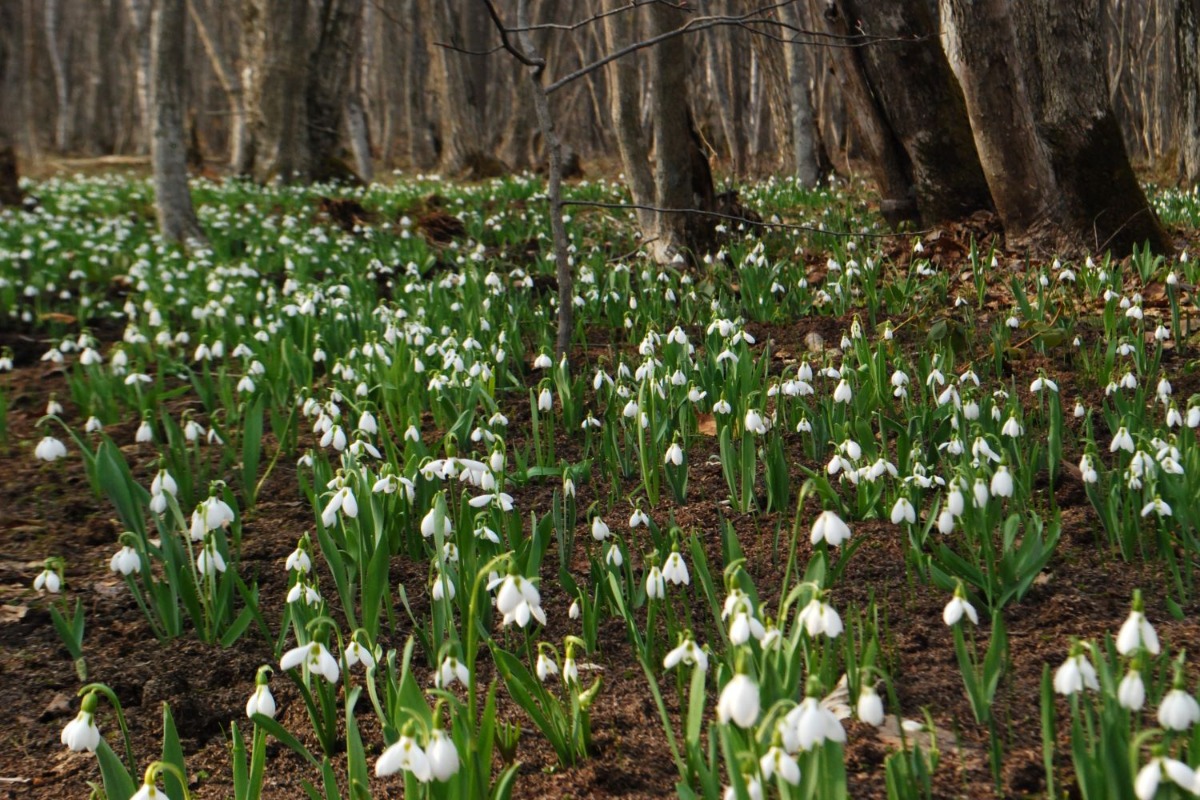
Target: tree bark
point(922, 104)
point(1187, 65)
point(886, 158)
point(460, 110)
point(62, 89)
point(277, 48)
point(227, 76)
point(624, 95)
point(328, 83)
point(139, 17)
point(172, 199)
point(1043, 124)
point(803, 132)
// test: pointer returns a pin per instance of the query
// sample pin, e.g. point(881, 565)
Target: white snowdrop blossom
point(739, 702)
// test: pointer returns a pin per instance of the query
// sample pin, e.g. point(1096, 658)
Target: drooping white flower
point(405, 755)
point(870, 706)
point(1137, 631)
point(1131, 692)
point(261, 702)
point(830, 528)
point(600, 529)
point(957, 608)
point(675, 569)
point(452, 670)
point(48, 581)
point(442, 755)
point(819, 617)
point(809, 724)
point(50, 449)
point(1149, 777)
point(1121, 441)
point(739, 702)
point(1178, 710)
point(81, 733)
point(903, 511)
point(1002, 482)
point(656, 585)
point(315, 658)
point(125, 561)
point(1075, 674)
point(686, 652)
point(777, 761)
point(754, 422)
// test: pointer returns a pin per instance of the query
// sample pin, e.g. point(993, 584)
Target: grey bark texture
point(922, 105)
point(1187, 61)
point(172, 199)
point(1043, 124)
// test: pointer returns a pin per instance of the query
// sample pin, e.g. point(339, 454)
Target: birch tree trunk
point(172, 199)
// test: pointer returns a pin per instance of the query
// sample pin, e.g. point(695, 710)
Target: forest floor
point(50, 508)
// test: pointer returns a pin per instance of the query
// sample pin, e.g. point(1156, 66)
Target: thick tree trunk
point(62, 89)
point(921, 101)
point(227, 76)
point(625, 85)
point(172, 200)
point(460, 109)
point(329, 80)
point(139, 17)
point(1187, 64)
point(1048, 140)
point(887, 160)
point(277, 46)
point(803, 132)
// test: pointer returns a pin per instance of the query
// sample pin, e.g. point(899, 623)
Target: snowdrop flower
point(613, 556)
point(429, 526)
point(981, 449)
point(777, 761)
point(675, 570)
point(1088, 469)
point(1137, 632)
point(754, 422)
point(903, 511)
point(1178, 710)
point(442, 755)
point(314, 657)
point(843, 393)
point(1080, 411)
point(1131, 693)
point(357, 654)
point(743, 625)
point(980, 493)
point(210, 561)
point(1160, 768)
point(722, 406)
point(125, 561)
point(450, 671)
point(262, 701)
point(1042, 382)
point(958, 607)
point(600, 529)
point(739, 702)
point(209, 515)
point(443, 588)
point(656, 585)
point(343, 500)
point(543, 361)
point(405, 755)
point(639, 517)
point(50, 449)
point(1121, 441)
point(546, 666)
point(49, 580)
point(830, 528)
point(754, 790)
point(870, 706)
point(1012, 428)
point(811, 723)
point(518, 600)
point(574, 612)
point(1002, 482)
point(545, 402)
point(1156, 506)
point(1076, 673)
point(674, 455)
point(819, 617)
point(81, 733)
point(686, 652)
point(298, 560)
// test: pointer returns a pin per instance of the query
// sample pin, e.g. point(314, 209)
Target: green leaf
point(172, 753)
point(118, 784)
point(279, 732)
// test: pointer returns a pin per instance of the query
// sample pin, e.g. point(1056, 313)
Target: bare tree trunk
point(139, 16)
point(1187, 65)
point(1047, 138)
point(62, 89)
point(329, 80)
point(802, 141)
point(459, 107)
point(172, 200)
point(888, 161)
point(624, 103)
point(277, 42)
point(227, 76)
point(357, 126)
